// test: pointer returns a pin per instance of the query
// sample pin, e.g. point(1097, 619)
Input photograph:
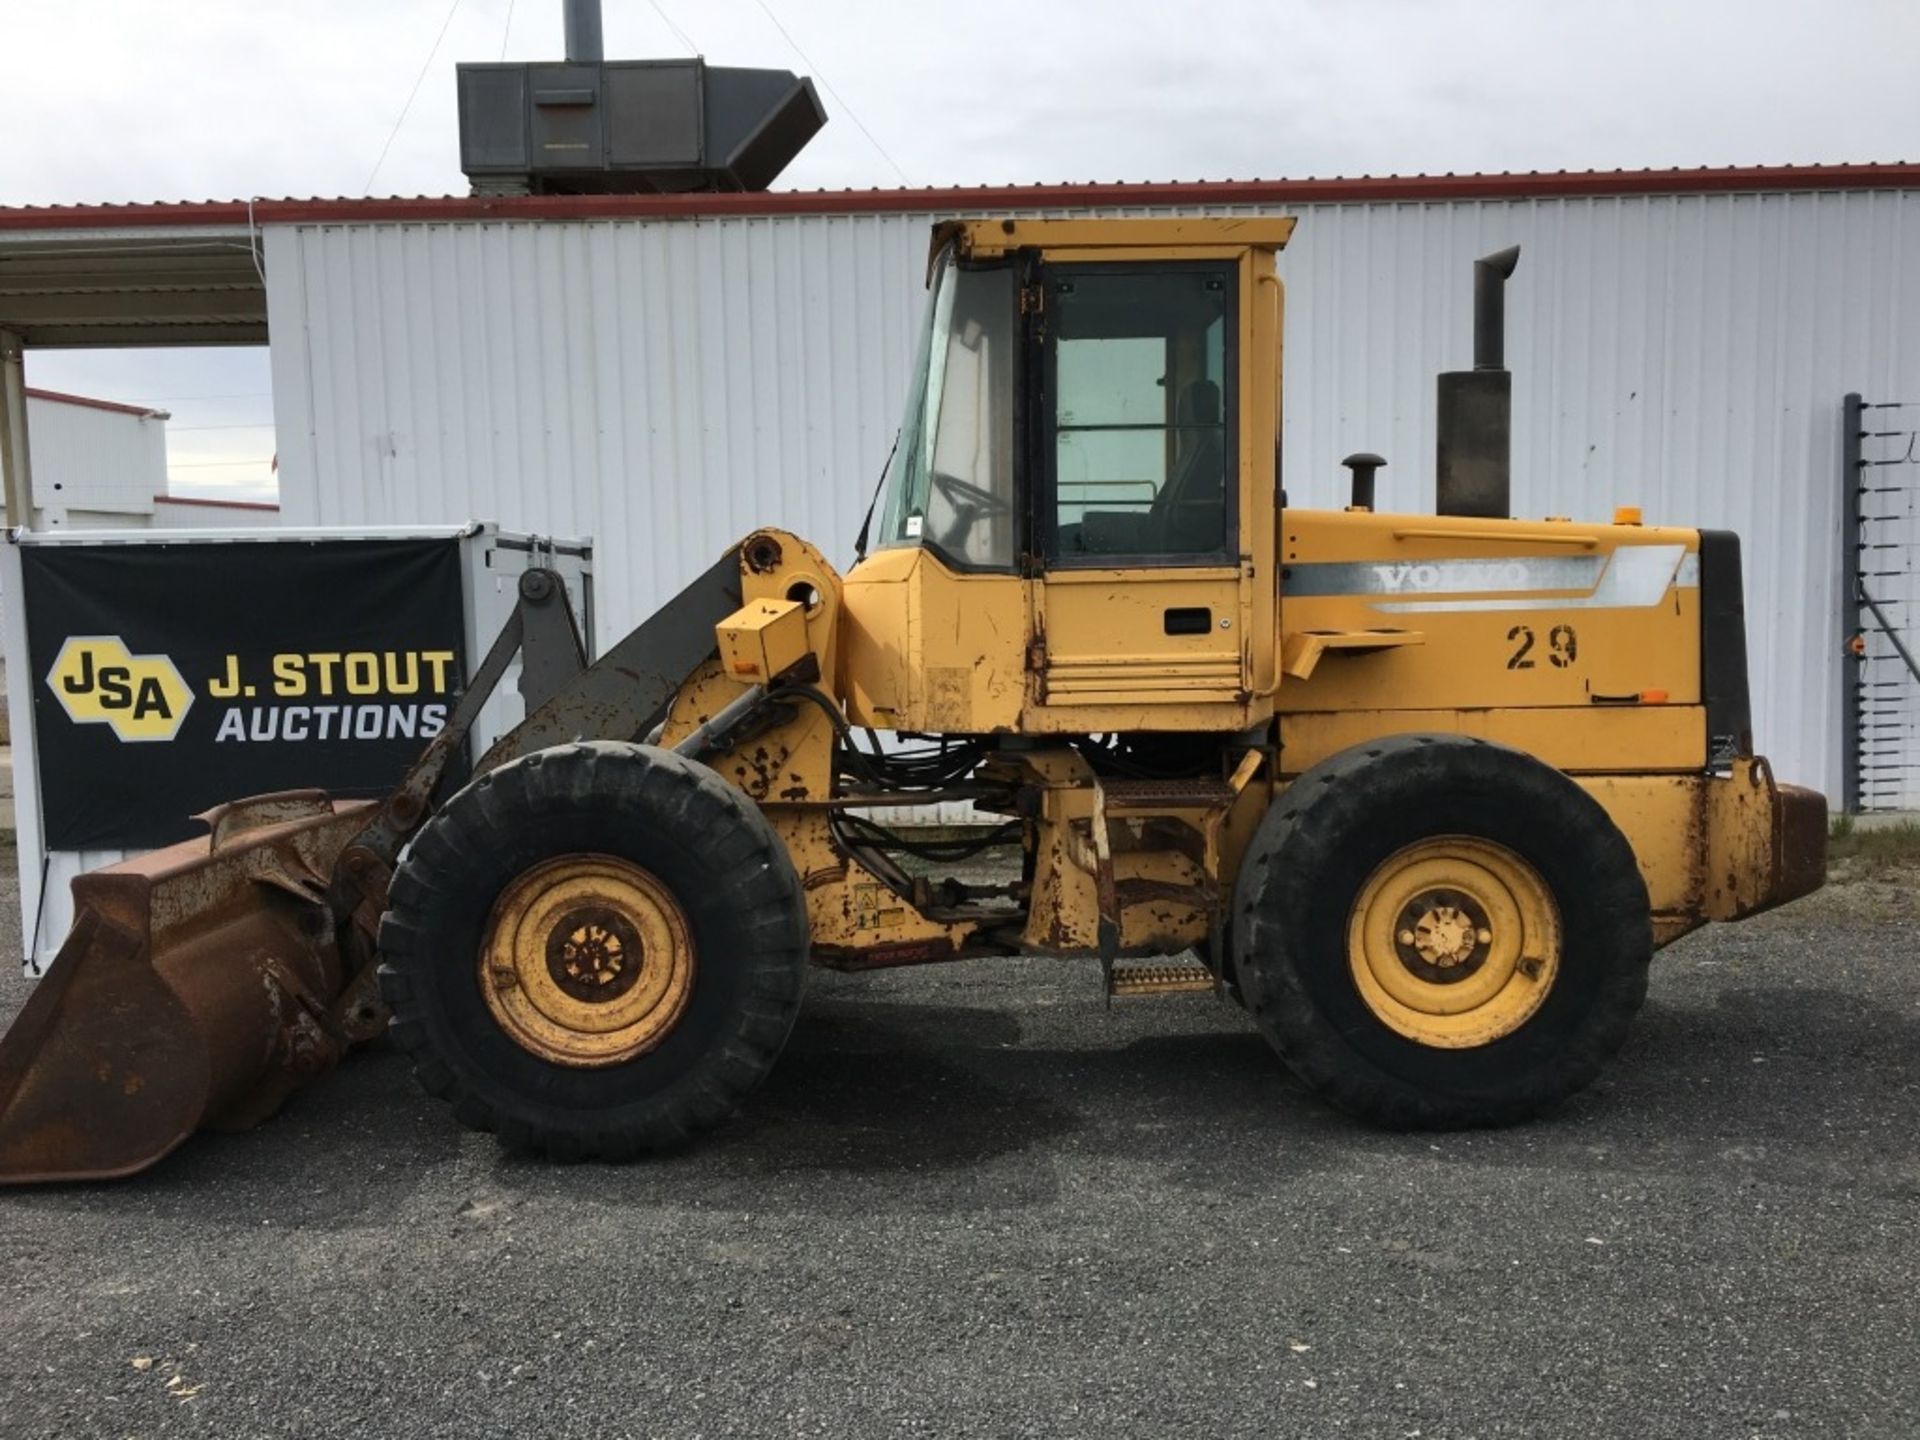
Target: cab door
point(1139, 601)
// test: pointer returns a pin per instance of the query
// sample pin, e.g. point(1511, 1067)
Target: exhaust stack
point(1474, 440)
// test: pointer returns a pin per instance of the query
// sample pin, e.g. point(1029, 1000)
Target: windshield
point(950, 483)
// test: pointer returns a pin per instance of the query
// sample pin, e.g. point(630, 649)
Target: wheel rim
point(587, 960)
point(1454, 942)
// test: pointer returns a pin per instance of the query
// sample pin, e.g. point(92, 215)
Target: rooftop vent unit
point(590, 126)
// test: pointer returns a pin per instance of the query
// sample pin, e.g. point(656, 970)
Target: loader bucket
point(198, 987)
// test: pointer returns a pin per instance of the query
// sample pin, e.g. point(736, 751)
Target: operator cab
point(1125, 373)
point(1081, 504)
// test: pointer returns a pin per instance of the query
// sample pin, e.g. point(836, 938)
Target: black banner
point(169, 677)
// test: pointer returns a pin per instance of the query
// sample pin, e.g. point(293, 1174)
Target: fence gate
point(1880, 589)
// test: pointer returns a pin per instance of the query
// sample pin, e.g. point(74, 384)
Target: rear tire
point(1396, 880)
point(718, 926)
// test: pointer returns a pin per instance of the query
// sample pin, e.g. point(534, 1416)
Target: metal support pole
point(16, 467)
point(1852, 638)
point(584, 45)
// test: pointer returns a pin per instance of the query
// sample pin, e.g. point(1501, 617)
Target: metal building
point(102, 465)
point(96, 463)
point(664, 372)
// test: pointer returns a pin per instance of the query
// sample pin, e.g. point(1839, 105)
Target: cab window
point(949, 485)
point(1138, 406)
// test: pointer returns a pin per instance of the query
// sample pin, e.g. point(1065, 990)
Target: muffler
point(1474, 422)
point(199, 986)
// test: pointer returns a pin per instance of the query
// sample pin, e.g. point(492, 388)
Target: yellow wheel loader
point(1424, 792)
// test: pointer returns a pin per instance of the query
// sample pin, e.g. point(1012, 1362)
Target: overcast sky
point(120, 100)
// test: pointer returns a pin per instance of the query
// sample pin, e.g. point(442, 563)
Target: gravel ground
point(974, 1201)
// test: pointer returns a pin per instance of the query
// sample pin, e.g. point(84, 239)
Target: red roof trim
point(1411, 188)
point(217, 504)
point(60, 397)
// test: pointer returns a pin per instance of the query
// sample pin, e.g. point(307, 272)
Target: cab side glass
point(1142, 449)
point(950, 485)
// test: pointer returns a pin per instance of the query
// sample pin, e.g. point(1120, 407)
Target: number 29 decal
point(1563, 647)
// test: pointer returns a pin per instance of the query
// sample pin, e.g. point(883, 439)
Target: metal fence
point(1880, 609)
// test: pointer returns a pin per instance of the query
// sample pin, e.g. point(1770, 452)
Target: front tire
point(595, 950)
point(1436, 932)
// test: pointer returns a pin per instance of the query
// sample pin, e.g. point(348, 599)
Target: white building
point(665, 372)
point(102, 465)
point(198, 512)
point(97, 464)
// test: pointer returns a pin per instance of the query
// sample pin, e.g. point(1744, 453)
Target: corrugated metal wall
point(664, 386)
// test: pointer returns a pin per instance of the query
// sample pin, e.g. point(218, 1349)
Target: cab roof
point(987, 239)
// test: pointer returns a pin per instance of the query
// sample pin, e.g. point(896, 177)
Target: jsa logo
point(98, 681)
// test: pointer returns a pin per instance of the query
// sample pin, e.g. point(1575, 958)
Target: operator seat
point(1188, 516)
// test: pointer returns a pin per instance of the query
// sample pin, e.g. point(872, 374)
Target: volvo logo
point(1454, 575)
